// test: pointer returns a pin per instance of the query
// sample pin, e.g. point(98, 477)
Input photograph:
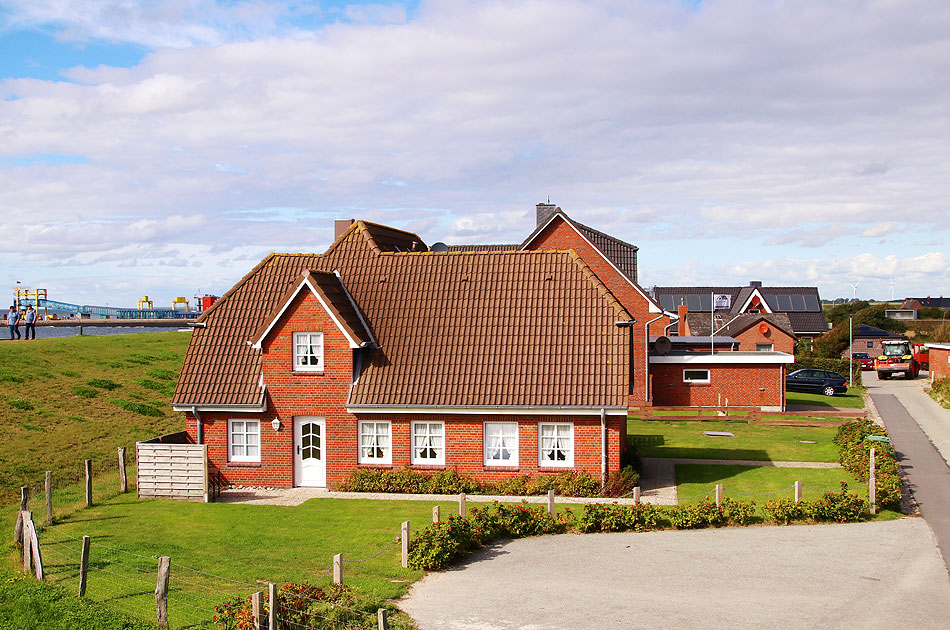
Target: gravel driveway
point(865, 575)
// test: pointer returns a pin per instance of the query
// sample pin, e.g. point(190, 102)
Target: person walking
point(29, 318)
point(13, 321)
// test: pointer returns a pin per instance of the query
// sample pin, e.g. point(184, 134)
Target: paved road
point(866, 575)
point(933, 419)
point(928, 476)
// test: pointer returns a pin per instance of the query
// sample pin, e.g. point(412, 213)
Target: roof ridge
point(597, 232)
point(342, 237)
point(595, 280)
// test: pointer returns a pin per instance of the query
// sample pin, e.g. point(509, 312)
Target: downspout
point(646, 345)
point(201, 428)
point(674, 320)
point(603, 448)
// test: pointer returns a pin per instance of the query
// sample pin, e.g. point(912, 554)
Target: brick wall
point(560, 235)
point(861, 345)
point(757, 385)
point(939, 363)
point(780, 340)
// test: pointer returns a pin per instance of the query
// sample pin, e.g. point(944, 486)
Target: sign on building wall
point(723, 302)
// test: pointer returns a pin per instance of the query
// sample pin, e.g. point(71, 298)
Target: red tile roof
point(455, 329)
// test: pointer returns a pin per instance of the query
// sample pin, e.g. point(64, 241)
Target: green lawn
point(852, 399)
point(740, 481)
point(63, 400)
point(246, 545)
point(661, 438)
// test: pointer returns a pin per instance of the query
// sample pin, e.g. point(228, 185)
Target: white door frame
point(314, 474)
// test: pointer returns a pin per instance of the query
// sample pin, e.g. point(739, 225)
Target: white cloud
point(806, 126)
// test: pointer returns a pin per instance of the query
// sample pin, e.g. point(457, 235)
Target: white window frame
point(304, 340)
point(696, 380)
point(375, 443)
point(511, 447)
point(244, 433)
point(568, 462)
point(764, 347)
point(426, 443)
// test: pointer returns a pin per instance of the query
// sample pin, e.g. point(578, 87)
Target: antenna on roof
point(439, 247)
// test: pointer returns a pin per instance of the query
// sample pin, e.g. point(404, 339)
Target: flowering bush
point(738, 512)
point(840, 507)
point(598, 517)
point(571, 483)
point(439, 544)
point(784, 511)
point(855, 457)
point(302, 605)
point(696, 515)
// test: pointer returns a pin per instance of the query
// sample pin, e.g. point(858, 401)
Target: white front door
point(310, 462)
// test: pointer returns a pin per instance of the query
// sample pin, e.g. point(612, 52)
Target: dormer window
point(308, 352)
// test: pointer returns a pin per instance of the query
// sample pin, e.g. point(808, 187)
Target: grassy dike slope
point(68, 399)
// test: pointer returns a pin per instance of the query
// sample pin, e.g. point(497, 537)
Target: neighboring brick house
point(868, 339)
point(801, 305)
point(939, 360)
point(916, 304)
point(484, 359)
point(493, 364)
point(755, 332)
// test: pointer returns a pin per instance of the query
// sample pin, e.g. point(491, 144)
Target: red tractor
point(898, 358)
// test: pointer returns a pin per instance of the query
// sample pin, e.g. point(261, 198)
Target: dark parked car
point(867, 363)
point(816, 381)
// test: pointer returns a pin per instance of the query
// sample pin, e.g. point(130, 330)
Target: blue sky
point(161, 148)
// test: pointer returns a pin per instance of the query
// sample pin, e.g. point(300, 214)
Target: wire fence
point(127, 582)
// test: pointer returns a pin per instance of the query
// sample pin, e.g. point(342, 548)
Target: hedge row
point(570, 483)
point(440, 544)
point(835, 365)
point(854, 453)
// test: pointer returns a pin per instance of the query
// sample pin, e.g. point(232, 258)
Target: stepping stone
point(719, 434)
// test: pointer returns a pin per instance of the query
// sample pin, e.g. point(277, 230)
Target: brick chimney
point(545, 210)
point(755, 284)
point(681, 310)
point(340, 226)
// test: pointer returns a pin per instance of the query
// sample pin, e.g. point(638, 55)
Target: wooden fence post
point(18, 526)
point(799, 491)
point(636, 494)
point(381, 622)
point(435, 514)
point(83, 566)
point(872, 481)
point(49, 497)
point(123, 480)
point(338, 568)
point(551, 507)
point(404, 538)
point(257, 611)
point(161, 591)
point(272, 612)
point(462, 510)
point(719, 493)
point(25, 518)
point(29, 529)
point(88, 483)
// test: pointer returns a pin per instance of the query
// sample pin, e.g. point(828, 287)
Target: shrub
point(784, 511)
point(575, 483)
point(738, 512)
point(839, 507)
point(406, 480)
point(84, 392)
point(103, 383)
point(854, 453)
point(621, 482)
point(600, 517)
point(439, 544)
point(302, 606)
point(940, 391)
point(695, 515)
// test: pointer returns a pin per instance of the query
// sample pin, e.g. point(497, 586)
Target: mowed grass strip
point(686, 439)
point(741, 481)
point(67, 399)
point(852, 399)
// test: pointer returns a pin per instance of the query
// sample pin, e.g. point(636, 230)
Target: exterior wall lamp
point(275, 423)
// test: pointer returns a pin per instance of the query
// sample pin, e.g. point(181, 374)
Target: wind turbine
point(893, 284)
point(854, 289)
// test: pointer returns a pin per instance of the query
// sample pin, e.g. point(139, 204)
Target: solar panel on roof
point(692, 301)
point(666, 303)
point(772, 301)
point(798, 302)
point(784, 302)
point(811, 303)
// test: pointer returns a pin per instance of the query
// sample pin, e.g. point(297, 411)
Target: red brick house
point(755, 332)
point(489, 360)
point(939, 360)
point(868, 339)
